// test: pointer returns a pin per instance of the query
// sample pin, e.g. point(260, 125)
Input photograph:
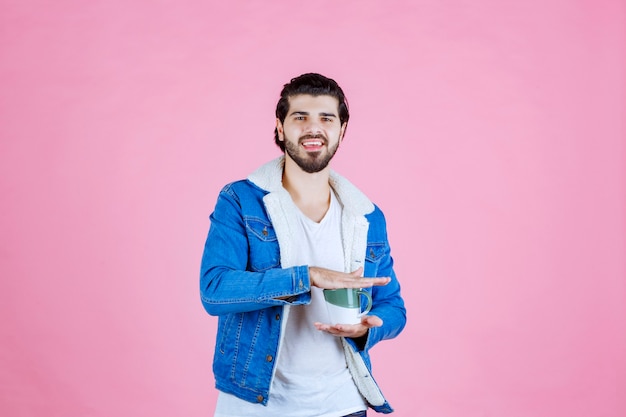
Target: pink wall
point(491, 132)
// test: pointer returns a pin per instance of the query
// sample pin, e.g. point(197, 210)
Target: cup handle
point(369, 301)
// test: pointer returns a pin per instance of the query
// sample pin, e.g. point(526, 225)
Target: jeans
point(358, 414)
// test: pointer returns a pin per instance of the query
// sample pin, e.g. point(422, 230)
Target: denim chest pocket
point(263, 253)
point(373, 254)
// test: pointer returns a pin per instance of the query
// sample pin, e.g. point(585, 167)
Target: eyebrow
point(306, 113)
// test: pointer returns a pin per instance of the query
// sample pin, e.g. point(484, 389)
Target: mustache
point(316, 136)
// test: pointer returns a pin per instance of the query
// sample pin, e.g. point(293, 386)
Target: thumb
point(357, 272)
point(372, 321)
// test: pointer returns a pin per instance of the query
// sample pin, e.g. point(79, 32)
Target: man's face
point(311, 131)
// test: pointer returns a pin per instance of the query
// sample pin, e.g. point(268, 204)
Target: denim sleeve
point(227, 284)
point(388, 305)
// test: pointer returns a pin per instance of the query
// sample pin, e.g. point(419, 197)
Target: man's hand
point(329, 279)
point(351, 330)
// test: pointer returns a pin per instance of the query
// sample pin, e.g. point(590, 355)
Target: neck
point(310, 192)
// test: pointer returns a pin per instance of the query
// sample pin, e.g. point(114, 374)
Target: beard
point(310, 162)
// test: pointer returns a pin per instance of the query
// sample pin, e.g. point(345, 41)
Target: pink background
point(491, 132)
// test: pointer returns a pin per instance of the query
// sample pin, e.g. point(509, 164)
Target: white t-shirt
point(311, 377)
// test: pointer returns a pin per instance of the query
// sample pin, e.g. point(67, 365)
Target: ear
point(279, 129)
point(342, 131)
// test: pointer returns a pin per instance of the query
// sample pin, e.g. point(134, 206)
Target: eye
point(327, 119)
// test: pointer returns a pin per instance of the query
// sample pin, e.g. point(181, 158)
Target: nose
point(313, 127)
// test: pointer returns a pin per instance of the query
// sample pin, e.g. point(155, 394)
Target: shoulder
point(238, 186)
point(237, 201)
point(376, 215)
point(377, 231)
point(242, 190)
point(262, 181)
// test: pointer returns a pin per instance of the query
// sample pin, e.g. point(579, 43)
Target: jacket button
point(259, 398)
point(269, 358)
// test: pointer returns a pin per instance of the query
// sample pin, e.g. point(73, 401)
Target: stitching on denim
point(236, 348)
point(270, 233)
point(227, 323)
point(253, 341)
point(270, 239)
point(375, 251)
point(228, 189)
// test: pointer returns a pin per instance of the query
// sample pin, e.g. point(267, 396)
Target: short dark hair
point(315, 85)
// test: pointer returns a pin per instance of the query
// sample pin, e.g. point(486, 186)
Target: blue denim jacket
point(249, 279)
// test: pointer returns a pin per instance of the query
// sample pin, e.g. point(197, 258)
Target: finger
point(373, 282)
point(329, 329)
point(345, 330)
point(348, 330)
point(321, 326)
point(336, 327)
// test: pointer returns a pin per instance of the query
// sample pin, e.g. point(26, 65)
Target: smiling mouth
point(314, 143)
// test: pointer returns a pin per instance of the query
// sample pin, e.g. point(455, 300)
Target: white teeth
point(313, 143)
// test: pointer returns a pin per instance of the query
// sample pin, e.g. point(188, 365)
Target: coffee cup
point(344, 305)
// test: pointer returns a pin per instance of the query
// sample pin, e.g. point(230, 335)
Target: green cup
point(344, 305)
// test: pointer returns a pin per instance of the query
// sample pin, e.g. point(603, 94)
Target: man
point(277, 239)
